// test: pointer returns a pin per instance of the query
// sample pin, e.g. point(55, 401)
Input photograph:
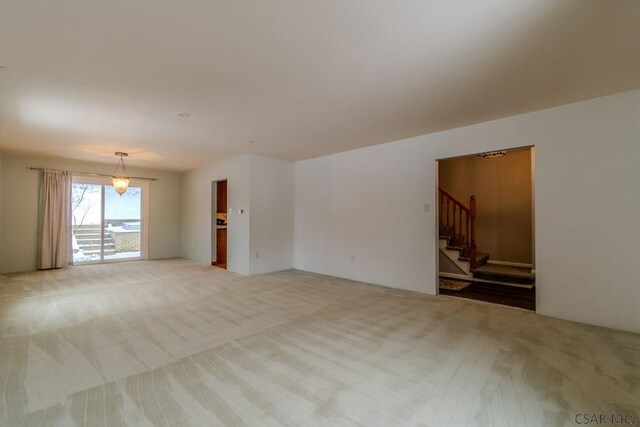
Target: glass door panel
point(106, 226)
point(86, 217)
point(122, 223)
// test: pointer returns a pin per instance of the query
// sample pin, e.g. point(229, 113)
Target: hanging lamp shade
point(121, 184)
point(120, 181)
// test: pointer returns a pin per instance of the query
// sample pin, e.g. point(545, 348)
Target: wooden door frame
point(213, 222)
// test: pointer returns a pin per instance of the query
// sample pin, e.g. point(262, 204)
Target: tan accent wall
point(503, 191)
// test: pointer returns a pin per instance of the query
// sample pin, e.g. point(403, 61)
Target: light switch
point(427, 208)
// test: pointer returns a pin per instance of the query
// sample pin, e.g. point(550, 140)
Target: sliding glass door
point(105, 225)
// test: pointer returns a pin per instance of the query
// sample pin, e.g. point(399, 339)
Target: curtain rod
point(91, 174)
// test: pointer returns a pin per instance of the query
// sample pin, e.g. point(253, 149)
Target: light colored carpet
point(171, 343)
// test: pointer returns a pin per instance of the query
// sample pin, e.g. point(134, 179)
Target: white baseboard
point(509, 263)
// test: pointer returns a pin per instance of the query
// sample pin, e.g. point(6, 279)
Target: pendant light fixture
point(120, 182)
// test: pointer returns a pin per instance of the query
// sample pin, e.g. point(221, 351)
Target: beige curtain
point(54, 239)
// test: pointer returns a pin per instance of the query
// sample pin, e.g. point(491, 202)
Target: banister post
point(453, 230)
point(447, 211)
point(459, 236)
point(440, 216)
point(468, 231)
point(472, 246)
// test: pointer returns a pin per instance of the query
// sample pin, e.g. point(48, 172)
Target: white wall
point(19, 208)
point(261, 186)
point(197, 219)
point(271, 240)
point(369, 203)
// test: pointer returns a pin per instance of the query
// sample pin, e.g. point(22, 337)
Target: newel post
point(441, 217)
point(472, 246)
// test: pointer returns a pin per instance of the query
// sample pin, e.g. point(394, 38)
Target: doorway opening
point(106, 226)
point(219, 223)
point(485, 226)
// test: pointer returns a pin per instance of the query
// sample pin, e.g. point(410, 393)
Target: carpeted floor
point(171, 343)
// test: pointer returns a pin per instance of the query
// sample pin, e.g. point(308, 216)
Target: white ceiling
point(301, 78)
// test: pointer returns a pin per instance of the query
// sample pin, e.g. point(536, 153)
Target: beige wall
point(502, 187)
point(19, 207)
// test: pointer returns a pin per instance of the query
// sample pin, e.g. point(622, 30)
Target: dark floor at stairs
point(497, 294)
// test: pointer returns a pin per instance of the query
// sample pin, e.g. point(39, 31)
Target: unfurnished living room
point(319, 213)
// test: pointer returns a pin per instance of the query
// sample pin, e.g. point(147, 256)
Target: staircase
point(88, 238)
point(457, 243)
point(458, 256)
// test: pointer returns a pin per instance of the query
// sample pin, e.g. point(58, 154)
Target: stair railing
point(459, 223)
